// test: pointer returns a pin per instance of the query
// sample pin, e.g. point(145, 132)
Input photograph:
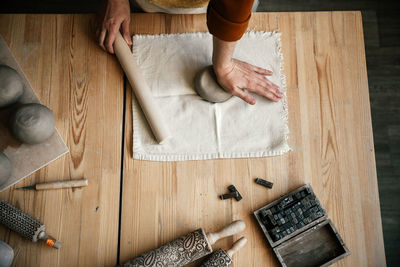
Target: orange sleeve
point(228, 19)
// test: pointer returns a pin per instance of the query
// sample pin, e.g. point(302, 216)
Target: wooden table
point(132, 206)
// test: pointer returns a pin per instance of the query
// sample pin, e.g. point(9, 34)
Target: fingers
point(102, 36)
point(262, 71)
point(265, 88)
point(268, 94)
point(245, 96)
point(273, 88)
point(107, 37)
point(112, 33)
point(125, 32)
point(256, 69)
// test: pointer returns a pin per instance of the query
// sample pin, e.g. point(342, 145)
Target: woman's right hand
point(115, 14)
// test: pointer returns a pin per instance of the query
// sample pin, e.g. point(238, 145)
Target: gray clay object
point(33, 123)
point(6, 254)
point(206, 86)
point(11, 86)
point(5, 168)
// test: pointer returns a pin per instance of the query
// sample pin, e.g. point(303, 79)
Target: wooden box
point(299, 231)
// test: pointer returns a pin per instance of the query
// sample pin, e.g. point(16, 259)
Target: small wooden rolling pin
point(222, 258)
point(57, 185)
point(141, 89)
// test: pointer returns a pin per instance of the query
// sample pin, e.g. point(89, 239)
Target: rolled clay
point(33, 123)
point(11, 86)
point(207, 87)
point(5, 168)
point(6, 254)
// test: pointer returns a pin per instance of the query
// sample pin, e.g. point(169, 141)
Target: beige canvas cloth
point(203, 130)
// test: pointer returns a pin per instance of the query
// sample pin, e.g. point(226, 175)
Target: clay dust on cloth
point(202, 130)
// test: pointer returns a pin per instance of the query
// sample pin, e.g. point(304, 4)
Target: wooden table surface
point(132, 206)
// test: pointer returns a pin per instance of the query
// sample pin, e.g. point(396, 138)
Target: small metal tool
point(57, 185)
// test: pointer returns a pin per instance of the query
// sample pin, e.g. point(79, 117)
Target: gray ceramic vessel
point(33, 123)
point(11, 86)
point(6, 254)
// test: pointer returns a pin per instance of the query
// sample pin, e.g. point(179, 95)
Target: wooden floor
point(382, 42)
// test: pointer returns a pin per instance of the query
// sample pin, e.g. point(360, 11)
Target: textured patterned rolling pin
point(222, 258)
point(25, 225)
point(184, 249)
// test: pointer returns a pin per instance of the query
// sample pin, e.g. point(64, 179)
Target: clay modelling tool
point(206, 86)
point(57, 185)
point(185, 249)
point(141, 89)
point(264, 183)
point(222, 258)
point(25, 225)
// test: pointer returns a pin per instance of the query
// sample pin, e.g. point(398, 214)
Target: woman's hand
point(115, 14)
point(235, 75)
point(239, 75)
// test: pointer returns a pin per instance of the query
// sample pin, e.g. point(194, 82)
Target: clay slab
point(25, 158)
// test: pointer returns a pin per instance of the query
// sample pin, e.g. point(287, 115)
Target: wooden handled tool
point(185, 249)
point(237, 246)
point(57, 185)
point(222, 258)
point(233, 228)
point(141, 89)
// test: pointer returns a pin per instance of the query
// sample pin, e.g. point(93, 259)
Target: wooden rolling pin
point(184, 249)
point(141, 89)
point(222, 258)
point(57, 185)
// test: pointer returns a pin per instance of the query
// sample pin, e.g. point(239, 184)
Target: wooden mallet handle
point(141, 89)
point(237, 246)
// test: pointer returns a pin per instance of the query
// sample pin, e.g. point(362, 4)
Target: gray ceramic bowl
point(11, 86)
point(33, 123)
point(6, 254)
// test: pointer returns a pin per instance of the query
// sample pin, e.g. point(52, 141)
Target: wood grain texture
point(331, 137)
point(84, 88)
